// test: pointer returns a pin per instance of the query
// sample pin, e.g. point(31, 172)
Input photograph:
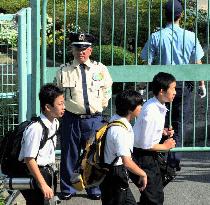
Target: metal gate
point(15, 69)
point(125, 26)
point(120, 29)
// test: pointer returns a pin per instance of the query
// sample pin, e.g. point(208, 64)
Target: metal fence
point(8, 77)
point(122, 28)
point(15, 80)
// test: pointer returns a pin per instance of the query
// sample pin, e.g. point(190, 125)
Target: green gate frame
point(23, 19)
point(128, 73)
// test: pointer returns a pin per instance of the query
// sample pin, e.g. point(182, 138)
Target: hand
point(168, 132)
point(47, 191)
point(202, 91)
point(169, 143)
point(142, 182)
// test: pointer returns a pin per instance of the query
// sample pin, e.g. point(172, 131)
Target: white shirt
point(119, 141)
point(31, 142)
point(149, 125)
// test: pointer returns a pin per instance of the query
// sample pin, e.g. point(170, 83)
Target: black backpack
point(10, 149)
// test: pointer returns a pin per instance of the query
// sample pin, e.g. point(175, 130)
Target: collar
point(87, 63)
point(123, 119)
point(161, 106)
point(47, 123)
point(170, 25)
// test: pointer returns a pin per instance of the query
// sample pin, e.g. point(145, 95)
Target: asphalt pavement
point(191, 186)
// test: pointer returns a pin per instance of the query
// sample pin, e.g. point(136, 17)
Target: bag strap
point(115, 123)
point(44, 133)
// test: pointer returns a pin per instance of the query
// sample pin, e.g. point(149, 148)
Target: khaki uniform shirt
point(99, 84)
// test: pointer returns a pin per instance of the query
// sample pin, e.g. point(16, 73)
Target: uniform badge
point(97, 76)
point(82, 37)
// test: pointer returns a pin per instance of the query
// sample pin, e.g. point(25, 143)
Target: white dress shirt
point(119, 141)
point(149, 125)
point(31, 142)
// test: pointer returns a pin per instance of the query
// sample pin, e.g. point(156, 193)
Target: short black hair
point(126, 101)
point(48, 93)
point(162, 81)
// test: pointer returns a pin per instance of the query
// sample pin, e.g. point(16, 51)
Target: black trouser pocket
point(120, 175)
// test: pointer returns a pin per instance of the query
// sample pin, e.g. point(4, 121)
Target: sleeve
point(31, 140)
point(149, 50)
point(197, 53)
point(122, 141)
point(107, 88)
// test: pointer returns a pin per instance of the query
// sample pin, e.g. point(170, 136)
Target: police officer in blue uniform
point(185, 51)
point(87, 90)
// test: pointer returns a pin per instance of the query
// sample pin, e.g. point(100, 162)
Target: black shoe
point(94, 196)
point(65, 196)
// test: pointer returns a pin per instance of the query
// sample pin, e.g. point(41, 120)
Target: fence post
point(44, 43)
point(29, 71)
point(35, 31)
point(22, 70)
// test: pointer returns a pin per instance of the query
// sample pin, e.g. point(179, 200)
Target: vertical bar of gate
point(35, 39)
point(136, 37)
point(77, 14)
point(112, 49)
point(137, 34)
point(161, 26)
point(88, 16)
point(207, 84)
point(100, 28)
point(64, 33)
point(44, 42)
point(195, 84)
point(125, 30)
point(22, 71)
point(148, 51)
point(183, 83)
point(29, 71)
point(54, 33)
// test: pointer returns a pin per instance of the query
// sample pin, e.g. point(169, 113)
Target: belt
point(86, 116)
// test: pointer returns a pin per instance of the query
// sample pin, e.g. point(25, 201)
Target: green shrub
point(118, 55)
point(8, 33)
point(13, 6)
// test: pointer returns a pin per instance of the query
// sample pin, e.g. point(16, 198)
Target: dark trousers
point(75, 132)
point(174, 157)
point(115, 188)
point(35, 196)
point(153, 193)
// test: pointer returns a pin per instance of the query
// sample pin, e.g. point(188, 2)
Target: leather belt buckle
point(84, 116)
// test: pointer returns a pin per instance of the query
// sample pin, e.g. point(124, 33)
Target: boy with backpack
point(40, 161)
point(148, 131)
point(117, 152)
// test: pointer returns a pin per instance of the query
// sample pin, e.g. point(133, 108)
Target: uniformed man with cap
point(87, 89)
point(186, 49)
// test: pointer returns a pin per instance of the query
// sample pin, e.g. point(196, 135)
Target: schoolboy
point(148, 131)
point(39, 161)
point(118, 147)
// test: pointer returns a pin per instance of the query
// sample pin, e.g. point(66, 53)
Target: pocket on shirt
point(96, 88)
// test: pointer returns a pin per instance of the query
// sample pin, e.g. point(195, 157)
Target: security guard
point(87, 89)
point(186, 50)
